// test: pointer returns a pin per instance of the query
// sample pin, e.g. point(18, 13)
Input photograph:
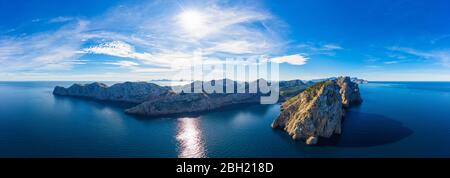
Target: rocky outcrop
point(132, 92)
point(349, 91)
point(317, 111)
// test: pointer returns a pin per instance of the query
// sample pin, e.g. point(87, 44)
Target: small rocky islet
point(309, 110)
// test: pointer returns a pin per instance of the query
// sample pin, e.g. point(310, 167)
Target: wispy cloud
point(202, 22)
point(153, 70)
point(440, 38)
point(54, 50)
point(36, 20)
point(442, 56)
point(123, 63)
point(373, 66)
point(238, 47)
point(329, 49)
point(118, 49)
point(168, 40)
point(391, 62)
point(61, 19)
point(296, 59)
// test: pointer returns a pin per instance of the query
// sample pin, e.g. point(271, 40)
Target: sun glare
point(192, 21)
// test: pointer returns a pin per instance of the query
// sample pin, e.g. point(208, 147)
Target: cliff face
point(349, 91)
point(133, 92)
point(317, 111)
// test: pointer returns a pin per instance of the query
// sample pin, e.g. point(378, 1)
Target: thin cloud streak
point(55, 50)
point(441, 56)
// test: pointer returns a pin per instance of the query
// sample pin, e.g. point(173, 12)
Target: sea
point(396, 119)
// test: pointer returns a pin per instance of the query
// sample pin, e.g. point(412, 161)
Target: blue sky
point(143, 40)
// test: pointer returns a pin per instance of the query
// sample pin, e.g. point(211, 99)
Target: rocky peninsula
point(318, 111)
point(154, 100)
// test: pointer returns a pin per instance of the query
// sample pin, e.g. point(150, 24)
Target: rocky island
point(318, 111)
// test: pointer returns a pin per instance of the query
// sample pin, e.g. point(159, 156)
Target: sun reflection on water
point(189, 138)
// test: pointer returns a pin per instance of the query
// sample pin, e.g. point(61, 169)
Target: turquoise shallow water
point(397, 119)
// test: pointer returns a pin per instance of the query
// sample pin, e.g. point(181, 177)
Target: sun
point(193, 22)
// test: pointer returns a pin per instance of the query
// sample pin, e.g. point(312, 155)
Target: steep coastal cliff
point(349, 91)
point(318, 111)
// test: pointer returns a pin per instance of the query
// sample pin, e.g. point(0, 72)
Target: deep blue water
point(397, 119)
